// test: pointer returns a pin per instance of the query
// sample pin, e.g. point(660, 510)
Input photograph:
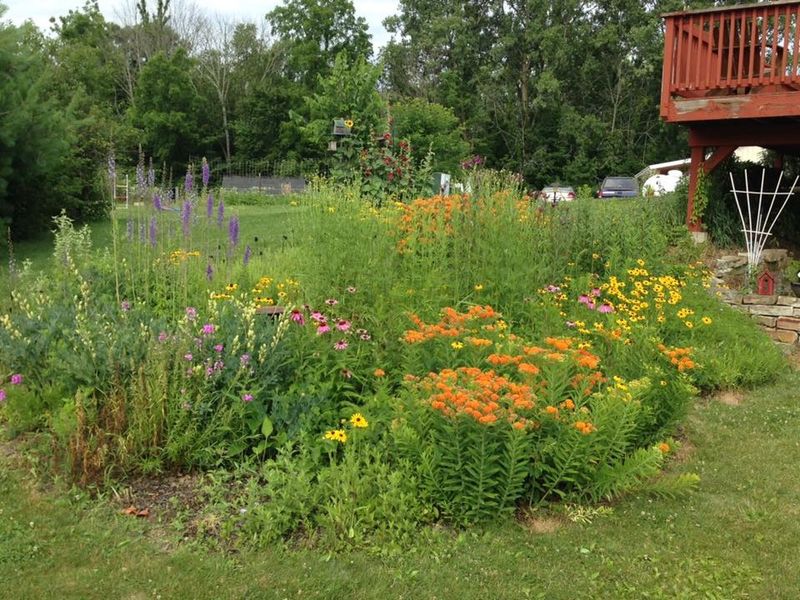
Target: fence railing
point(726, 49)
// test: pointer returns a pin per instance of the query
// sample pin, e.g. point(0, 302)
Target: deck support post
point(699, 161)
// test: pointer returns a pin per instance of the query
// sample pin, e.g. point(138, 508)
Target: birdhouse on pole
point(766, 284)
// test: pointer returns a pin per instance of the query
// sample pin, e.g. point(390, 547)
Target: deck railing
point(727, 50)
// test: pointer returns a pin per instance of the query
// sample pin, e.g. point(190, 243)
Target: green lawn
point(736, 537)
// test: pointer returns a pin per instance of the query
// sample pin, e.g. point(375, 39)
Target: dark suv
point(618, 187)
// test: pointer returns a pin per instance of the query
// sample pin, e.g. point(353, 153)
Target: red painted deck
point(732, 76)
point(732, 63)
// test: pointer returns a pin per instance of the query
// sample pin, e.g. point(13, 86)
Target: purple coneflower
point(318, 316)
point(16, 379)
point(244, 359)
point(191, 313)
point(605, 308)
point(209, 329)
point(340, 345)
point(331, 302)
point(188, 356)
point(595, 292)
point(298, 317)
point(218, 348)
point(365, 337)
point(343, 325)
point(247, 397)
point(2, 395)
point(584, 299)
point(351, 289)
point(323, 328)
point(553, 289)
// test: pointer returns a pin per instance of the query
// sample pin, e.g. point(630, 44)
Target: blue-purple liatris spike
point(220, 213)
point(247, 254)
point(210, 206)
point(233, 230)
point(209, 272)
point(151, 174)
point(153, 232)
point(157, 202)
point(141, 183)
point(129, 229)
point(206, 173)
point(189, 182)
point(186, 217)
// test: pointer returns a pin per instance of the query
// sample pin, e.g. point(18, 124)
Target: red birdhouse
point(766, 284)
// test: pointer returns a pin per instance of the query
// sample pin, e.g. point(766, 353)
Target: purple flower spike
point(157, 202)
point(247, 254)
point(206, 173)
point(153, 232)
point(188, 183)
point(186, 217)
point(209, 272)
point(210, 206)
point(129, 230)
point(220, 213)
point(151, 174)
point(233, 230)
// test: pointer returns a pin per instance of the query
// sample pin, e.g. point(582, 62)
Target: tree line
point(552, 89)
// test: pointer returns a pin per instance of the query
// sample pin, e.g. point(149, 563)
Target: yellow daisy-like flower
point(706, 320)
point(457, 345)
point(688, 324)
point(348, 123)
point(232, 287)
point(336, 435)
point(478, 287)
point(358, 420)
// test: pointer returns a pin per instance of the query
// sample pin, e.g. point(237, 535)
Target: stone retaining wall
point(779, 316)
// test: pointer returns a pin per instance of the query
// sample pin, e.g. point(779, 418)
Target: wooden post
point(698, 155)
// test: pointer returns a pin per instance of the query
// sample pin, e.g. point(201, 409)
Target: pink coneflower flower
point(244, 359)
point(584, 299)
point(247, 397)
point(162, 336)
point(219, 348)
point(188, 356)
point(605, 308)
point(16, 379)
point(365, 336)
point(590, 305)
point(323, 328)
point(209, 371)
point(331, 302)
point(553, 289)
point(219, 365)
point(595, 292)
point(208, 329)
point(191, 313)
point(351, 289)
point(343, 325)
point(318, 316)
point(2, 395)
point(125, 305)
point(340, 345)
point(298, 317)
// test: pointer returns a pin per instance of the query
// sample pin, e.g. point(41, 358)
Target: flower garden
point(374, 370)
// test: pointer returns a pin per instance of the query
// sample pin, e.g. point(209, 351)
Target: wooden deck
point(737, 62)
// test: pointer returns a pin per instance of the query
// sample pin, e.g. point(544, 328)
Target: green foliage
point(430, 127)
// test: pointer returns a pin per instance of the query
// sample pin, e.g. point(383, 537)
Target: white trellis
point(759, 224)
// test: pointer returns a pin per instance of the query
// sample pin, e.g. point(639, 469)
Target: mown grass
point(738, 536)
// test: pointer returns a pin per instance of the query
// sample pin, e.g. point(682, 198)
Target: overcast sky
point(40, 11)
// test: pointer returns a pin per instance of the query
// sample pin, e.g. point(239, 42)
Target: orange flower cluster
point(680, 357)
point(452, 324)
point(483, 395)
point(584, 427)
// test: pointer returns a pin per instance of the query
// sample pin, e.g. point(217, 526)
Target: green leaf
point(267, 427)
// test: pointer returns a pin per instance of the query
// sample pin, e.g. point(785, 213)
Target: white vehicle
point(658, 185)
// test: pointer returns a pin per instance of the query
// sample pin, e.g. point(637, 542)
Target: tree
point(427, 125)
point(167, 109)
point(317, 31)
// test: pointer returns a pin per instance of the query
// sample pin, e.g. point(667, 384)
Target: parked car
point(618, 187)
point(556, 193)
point(658, 185)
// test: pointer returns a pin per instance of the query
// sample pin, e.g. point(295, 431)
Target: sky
point(40, 11)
